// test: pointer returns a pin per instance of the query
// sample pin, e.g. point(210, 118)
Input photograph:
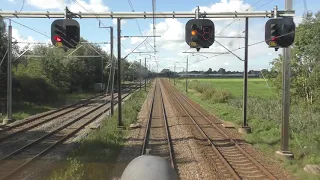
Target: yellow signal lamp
point(193, 32)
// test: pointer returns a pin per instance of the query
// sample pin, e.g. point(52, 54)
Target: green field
point(256, 87)
point(223, 98)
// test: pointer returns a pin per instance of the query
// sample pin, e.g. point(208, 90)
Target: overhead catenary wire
point(234, 20)
point(22, 6)
point(232, 23)
point(253, 44)
point(132, 9)
point(98, 18)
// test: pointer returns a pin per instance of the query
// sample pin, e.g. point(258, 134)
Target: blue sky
point(171, 43)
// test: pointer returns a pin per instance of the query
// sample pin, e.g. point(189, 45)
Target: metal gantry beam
point(144, 15)
point(138, 36)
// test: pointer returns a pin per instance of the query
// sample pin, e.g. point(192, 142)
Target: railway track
point(28, 120)
point(233, 161)
point(65, 112)
point(157, 139)
point(20, 158)
point(65, 109)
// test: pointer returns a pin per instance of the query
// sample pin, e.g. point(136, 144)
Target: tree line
point(49, 72)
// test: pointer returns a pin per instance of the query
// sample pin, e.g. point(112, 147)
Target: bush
point(220, 96)
point(35, 90)
point(208, 93)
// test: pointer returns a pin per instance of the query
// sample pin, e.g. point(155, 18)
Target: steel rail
point(6, 127)
point(59, 141)
point(218, 153)
point(147, 131)
point(28, 120)
point(3, 138)
point(167, 130)
point(260, 167)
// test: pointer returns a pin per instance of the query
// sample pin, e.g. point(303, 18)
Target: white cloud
point(136, 40)
point(106, 48)
point(23, 41)
point(47, 4)
point(127, 50)
point(79, 5)
point(114, 21)
point(93, 6)
point(172, 41)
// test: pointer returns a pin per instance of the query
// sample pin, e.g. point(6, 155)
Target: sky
point(171, 45)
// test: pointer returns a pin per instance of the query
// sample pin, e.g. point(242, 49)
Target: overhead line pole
point(140, 74)
point(284, 152)
point(112, 71)
point(119, 73)
point(174, 75)
point(9, 118)
point(145, 76)
point(245, 128)
point(187, 75)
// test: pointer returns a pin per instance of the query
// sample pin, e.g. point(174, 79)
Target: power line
point(253, 44)
point(265, 4)
point(32, 29)
point(233, 22)
point(22, 6)
point(132, 9)
point(98, 18)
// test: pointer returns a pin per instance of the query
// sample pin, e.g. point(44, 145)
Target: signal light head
point(57, 39)
point(193, 32)
point(274, 38)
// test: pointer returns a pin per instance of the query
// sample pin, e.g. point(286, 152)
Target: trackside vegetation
point(223, 97)
point(47, 77)
point(96, 155)
point(264, 116)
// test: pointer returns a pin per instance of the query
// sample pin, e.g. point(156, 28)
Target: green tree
point(3, 66)
point(304, 61)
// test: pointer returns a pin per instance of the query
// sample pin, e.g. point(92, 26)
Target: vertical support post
point(174, 75)
point(119, 73)
point(101, 70)
point(145, 76)
point(109, 80)
point(285, 153)
point(112, 71)
point(245, 128)
point(187, 74)
point(140, 74)
point(8, 118)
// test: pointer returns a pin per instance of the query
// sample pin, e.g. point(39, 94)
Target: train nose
point(147, 167)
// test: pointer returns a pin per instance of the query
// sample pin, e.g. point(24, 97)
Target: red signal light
point(274, 38)
point(57, 38)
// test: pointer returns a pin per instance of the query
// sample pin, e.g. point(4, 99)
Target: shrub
point(221, 96)
point(33, 90)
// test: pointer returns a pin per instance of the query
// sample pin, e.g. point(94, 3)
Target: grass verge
point(97, 154)
point(264, 116)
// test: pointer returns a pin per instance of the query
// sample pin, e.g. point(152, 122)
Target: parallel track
point(18, 160)
point(43, 119)
point(157, 132)
point(64, 110)
point(235, 162)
